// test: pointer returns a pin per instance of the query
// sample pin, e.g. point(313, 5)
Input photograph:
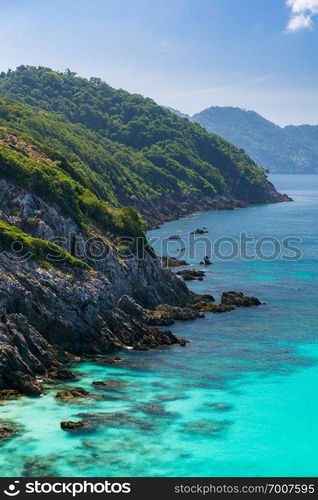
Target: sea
point(239, 400)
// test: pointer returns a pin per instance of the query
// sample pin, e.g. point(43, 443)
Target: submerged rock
point(156, 409)
point(9, 394)
point(205, 427)
point(41, 467)
point(163, 315)
point(166, 315)
point(239, 299)
point(75, 426)
point(112, 385)
point(170, 397)
point(220, 406)
point(174, 237)
point(71, 394)
point(117, 420)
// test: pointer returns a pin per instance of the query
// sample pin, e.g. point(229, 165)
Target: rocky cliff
point(52, 311)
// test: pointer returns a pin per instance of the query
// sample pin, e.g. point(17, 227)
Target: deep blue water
point(239, 400)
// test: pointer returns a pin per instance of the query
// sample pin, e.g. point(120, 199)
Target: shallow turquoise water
point(260, 363)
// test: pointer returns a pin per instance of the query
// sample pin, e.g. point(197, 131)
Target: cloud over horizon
point(302, 13)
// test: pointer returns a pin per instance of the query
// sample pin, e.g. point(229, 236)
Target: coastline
point(168, 209)
point(216, 394)
point(50, 315)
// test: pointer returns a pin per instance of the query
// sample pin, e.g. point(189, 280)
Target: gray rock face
point(48, 316)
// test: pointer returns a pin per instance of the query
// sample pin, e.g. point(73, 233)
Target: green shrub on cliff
point(54, 185)
point(25, 246)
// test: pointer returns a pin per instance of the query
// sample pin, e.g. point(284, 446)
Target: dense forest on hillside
point(292, 149)
point(92, 149)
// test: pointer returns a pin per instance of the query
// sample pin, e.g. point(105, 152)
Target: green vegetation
point(52, 184)
point(49, 254)
point(282, 150)
point(97, 152)
point(123, 147)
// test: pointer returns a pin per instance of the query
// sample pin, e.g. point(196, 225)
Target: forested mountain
point(292, 149)
point(123, 149)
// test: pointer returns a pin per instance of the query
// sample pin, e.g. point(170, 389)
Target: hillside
point(292, 149)
point(124, 148)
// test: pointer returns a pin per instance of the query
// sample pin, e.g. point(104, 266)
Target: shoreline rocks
point(6, 433)
point(239, 299)
point(156, 409)
point(9, 394)
point(71, 394)
point(169, 208)
point(70, 426)
point(163, 315)
point(173, 262)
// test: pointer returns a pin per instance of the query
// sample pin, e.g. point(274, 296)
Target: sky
point(187, 54)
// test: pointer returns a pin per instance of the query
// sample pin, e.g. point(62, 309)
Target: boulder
point(157, 409)
point(130, 306)
point(199, 231)
point(239, 299)
point(62, 374)
point(191, 274)
point(213, 308)
point(6, 432)
point(74, 426)
point(165, 315)
point(118, 420)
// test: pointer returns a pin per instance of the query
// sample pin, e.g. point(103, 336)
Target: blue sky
point(188, 54)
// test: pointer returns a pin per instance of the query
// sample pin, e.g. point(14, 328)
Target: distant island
point(284, 150)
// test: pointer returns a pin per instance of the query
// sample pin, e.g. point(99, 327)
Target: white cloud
point(298, 22)
point(302, 12)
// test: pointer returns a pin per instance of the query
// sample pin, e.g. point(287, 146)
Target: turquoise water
point(239, 400)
